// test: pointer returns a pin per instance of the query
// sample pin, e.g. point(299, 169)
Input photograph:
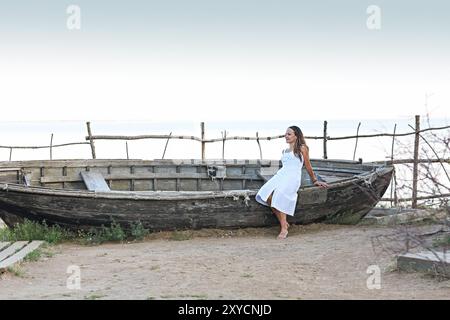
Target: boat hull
point(344, 202)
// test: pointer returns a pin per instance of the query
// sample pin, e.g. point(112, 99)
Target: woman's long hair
point(300, 141)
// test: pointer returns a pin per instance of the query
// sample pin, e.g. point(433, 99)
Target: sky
point(208, 60)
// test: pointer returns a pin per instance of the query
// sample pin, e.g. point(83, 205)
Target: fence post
point(10, 153)
point(51, 147)
point(224, 137)
point(394, 180)
point(91, 141)
point(126, 147)
point(202, 126)
point(259, 145)
point(416, 162)
point(325, 139)
point(356, 143)
point(165, 148)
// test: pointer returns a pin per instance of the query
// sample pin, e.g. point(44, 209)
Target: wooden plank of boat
point(16, 246)
point(313, 196)
point(9, 169)
point(141, 176)
point(266, 173)
point(264, 177)
point(21, 254)
point(94, 181)
point(117, 162)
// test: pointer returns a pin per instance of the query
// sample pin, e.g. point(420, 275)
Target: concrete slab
point(392, 216)
point(428, 262)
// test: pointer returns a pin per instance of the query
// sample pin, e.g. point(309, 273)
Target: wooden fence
point(90, 138)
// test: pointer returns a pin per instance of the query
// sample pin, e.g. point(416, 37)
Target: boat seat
point(264, 177)
point(94, 181)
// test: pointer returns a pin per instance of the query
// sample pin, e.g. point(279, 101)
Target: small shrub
point(31, 230)
point(114, 232)
point(103, 234)
point(93, 236)
point(34, 255)
point(138, 231)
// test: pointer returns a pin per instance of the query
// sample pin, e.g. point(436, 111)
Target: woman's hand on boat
point(321, 184)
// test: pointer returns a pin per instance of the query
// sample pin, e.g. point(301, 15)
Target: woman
point(280, 192)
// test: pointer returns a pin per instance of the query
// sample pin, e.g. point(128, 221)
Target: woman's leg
point(275, 211)
point(284, 226)
point(281, 218)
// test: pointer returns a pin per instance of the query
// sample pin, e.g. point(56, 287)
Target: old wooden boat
point(179, 194)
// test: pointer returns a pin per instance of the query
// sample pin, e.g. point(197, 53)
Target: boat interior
point(166, 175)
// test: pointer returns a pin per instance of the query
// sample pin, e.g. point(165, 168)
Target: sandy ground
point(314, 262)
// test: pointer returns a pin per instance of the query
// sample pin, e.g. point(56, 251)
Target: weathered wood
point(346, 201)
point(394, 181)
point(202, 128)
point(4, 245)
point(325, 156)
point(94, 163)
point(51, 147)
point(20, 255)
point(356, 142)
point(94, 181)
point(10, 169)
point(12, 176)
point(44, 147)
point(259, 146)
point(388, 134)
point(142, 176)
point(224, 138)
point(137, 162)
point(230, 175)
point(107, 137)
point(91, 139)
point(408, 161)
point(167, 142)
point(140, 137)
point(265, 177)
point(66, 172)
point(415, 163)
point(437, 196)
point(13, 248)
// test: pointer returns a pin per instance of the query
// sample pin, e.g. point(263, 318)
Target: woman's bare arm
point(307, 163)
point(309, 169)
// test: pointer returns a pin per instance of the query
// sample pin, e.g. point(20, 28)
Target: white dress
point(284, 185)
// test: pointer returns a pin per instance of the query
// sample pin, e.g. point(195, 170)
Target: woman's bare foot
point(284, 232)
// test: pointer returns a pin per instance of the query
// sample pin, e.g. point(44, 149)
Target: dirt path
point(315, 262)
